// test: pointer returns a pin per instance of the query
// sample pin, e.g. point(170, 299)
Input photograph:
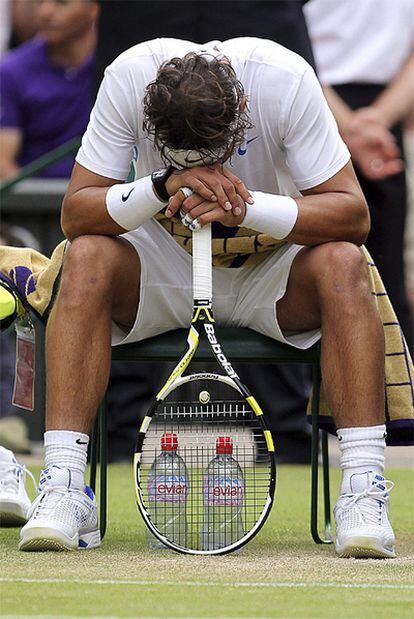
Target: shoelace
point(47, 500)
point(13, 472)
point(368, 509)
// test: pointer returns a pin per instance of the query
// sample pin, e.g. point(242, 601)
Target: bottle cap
point(169, 441)
point(224, 445)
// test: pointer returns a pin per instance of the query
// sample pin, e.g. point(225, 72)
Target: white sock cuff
point(362, 448)
point(371, 435)
point(69, 450)
point(66, 437)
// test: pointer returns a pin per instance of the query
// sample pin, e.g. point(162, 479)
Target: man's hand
point(204, 212)
point(213, 183)
point(372, 145)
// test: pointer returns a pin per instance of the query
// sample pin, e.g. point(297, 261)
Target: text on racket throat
point(216, 348)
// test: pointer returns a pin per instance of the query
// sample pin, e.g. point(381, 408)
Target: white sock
point(362, 450)
point(68, 450)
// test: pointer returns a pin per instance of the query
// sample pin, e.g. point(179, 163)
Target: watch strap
point(159, 179)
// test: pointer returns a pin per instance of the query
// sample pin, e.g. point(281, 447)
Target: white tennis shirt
point(294, 144)
point(360, 41)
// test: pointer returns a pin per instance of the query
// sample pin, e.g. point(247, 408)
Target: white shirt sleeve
point(110, 137)
point(314, 149)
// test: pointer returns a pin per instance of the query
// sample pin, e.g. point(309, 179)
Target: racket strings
point(226, 494)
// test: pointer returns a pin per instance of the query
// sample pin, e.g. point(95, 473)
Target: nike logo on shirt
point(242, 151)
point(79, 442)
point(126, 196)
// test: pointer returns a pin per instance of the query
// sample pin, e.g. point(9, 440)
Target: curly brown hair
point(195, 103)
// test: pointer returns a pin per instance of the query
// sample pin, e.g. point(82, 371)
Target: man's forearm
point(335, 210)
point(11, 139)
point(8, 169)
point(396, 101)
point(341, 110)
point(85, 212)
point(110, 210)
point(328, 217)
point(309, 220)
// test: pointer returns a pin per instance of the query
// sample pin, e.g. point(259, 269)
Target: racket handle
point(202, 269)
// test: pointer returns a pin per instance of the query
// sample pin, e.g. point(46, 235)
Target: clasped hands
point(218, 195)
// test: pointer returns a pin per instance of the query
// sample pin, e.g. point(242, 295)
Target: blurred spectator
point(5, 26)
point(18, 23)
point(409, 232)
point(24, 24)
point(365, 52)
point(46, 86)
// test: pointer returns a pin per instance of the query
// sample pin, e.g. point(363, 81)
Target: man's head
point(196, 103)
point(64, 21)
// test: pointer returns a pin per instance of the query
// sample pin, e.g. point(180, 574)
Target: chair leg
point(315, 467)
point(103, 450)
point(99, 454)
point(94, 454)
point(326, 486)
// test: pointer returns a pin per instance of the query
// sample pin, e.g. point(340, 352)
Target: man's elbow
point(67, 219)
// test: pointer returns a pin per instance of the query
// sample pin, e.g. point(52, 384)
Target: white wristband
point(271, 214)
point(132, 204)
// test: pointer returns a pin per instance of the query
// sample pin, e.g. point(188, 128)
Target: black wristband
point(159, 178)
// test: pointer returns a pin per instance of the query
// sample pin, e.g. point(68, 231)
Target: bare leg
point(100, 283)
point(328, 287)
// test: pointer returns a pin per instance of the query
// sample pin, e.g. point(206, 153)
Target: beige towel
point(32, 275)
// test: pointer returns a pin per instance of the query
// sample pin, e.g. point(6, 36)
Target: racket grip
point(202, 269)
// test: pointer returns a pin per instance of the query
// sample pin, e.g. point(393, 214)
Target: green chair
point(241, 346)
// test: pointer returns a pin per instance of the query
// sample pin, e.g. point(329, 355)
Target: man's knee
point(340, 269)
point(88, 265)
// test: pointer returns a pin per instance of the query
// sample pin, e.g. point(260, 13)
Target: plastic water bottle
point(167, 487)
point(223, 496)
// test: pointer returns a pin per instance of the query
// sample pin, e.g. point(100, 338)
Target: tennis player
point(236, 133)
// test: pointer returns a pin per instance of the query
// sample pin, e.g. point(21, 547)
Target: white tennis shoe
point(61, 517)
point(362, 526)
point(14, 502)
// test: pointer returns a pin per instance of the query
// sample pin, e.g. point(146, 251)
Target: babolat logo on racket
point(216, 347)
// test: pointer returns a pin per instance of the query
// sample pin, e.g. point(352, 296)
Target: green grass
point(280, 574)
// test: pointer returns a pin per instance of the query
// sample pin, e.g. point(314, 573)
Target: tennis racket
point(204, 462)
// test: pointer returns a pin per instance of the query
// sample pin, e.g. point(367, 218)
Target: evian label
point(168, 488)
point(223, 490)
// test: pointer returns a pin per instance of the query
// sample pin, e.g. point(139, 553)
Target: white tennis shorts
point(242, 297)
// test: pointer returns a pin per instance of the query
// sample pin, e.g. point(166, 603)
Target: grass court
point(280, 574)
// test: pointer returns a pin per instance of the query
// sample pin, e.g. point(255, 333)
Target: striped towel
point(32, 276)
